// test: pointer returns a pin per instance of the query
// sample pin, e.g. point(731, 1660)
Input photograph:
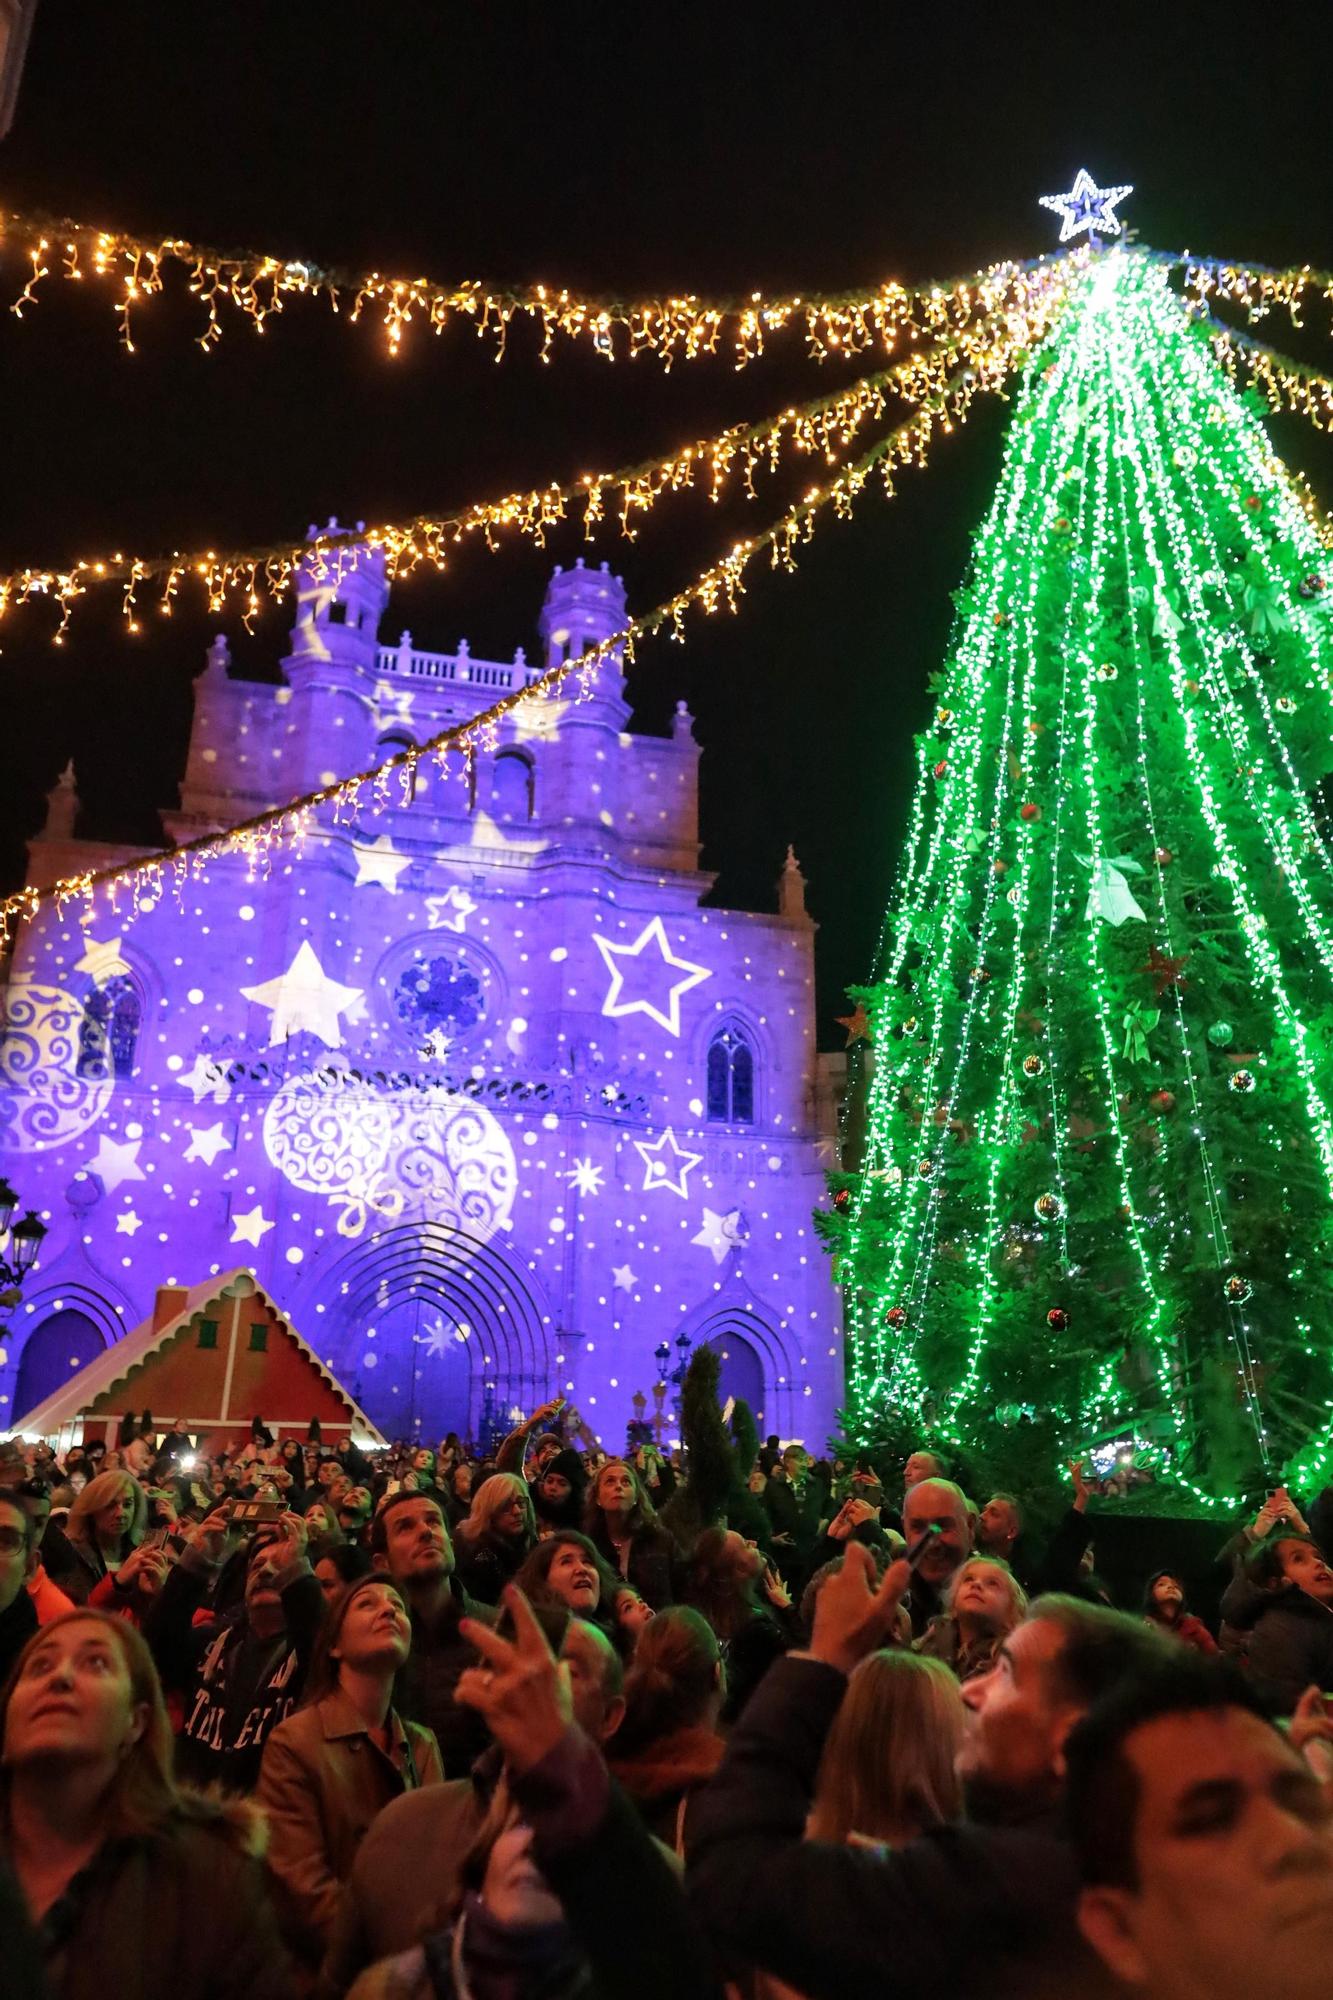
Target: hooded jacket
point(1288, 1636)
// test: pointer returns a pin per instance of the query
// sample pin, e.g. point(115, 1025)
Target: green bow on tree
point(1138, 1023)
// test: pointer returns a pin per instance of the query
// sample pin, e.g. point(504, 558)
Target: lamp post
point(25, 1240)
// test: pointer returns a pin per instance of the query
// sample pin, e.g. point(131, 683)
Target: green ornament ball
point(1221, 1034)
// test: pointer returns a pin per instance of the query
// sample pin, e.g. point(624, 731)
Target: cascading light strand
point(255, 287)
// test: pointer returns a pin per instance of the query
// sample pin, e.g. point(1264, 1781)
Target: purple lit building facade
point(483, 1093)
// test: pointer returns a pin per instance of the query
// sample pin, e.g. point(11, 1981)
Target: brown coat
point(322, 1781)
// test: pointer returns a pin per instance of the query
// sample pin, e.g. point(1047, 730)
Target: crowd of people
point(546, 1724)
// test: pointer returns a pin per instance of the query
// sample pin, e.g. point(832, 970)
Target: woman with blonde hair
point(100, 1540)
point(169, 1886)
point(887, 1772)
point(491, 1544)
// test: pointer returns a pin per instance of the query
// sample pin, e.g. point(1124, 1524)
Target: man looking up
point(410, 1542)
point(241, 1672)
point(834, 1920)
point(939, 1509)
point(1204, 1841)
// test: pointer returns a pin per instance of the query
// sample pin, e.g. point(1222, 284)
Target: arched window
point(513, 786)
point(730, 1078)
point(109, 1031)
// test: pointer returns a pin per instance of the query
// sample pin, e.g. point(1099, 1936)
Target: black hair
point(1150, 1602)
point(379, 1533)
point(1263, 1565)
point(349, 1559)
point(1100, 1647)
point(1102, 1786)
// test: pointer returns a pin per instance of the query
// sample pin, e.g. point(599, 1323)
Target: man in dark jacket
point(239, 1674)
point(983, 1907)
point(1283, 1601)
point(1204, 1840)
point(410, 1542)
point(18, 1559)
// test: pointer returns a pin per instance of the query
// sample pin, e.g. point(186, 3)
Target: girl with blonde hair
point(887, 1772)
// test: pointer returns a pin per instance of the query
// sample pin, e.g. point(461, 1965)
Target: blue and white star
point(206, 1142)
point(721, 1233)
point(1087, 206)
point(304, 999)
point(657, 1171)
point(208, 1078)
point(251, 1228)
point(648, 977)
point(101, 961)
point(127, 1223)
point(114, 1162)
point(586, 1177)
point(379, 862)
point(455, 899)
point(623, 1278)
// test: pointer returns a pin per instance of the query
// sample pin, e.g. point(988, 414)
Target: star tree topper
point(1087, 206)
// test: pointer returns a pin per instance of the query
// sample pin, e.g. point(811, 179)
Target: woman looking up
point(622, 1527)
point(331, 1767)
point(131, 1880)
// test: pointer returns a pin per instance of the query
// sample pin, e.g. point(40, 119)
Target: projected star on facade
point(114, 1162)
point(252, 1227)
point(657, 1166)
point(206, 1142)
point(720, 1234)
point(378, 862)
point(640, 970)
point(304, 999)
point(101, 961)
point(586, 1177)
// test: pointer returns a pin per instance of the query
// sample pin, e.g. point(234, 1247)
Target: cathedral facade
point(481, 1088)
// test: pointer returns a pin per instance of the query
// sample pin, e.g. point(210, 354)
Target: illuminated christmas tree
point(1096, 1200)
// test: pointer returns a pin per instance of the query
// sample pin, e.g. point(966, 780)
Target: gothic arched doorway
point(428, 1327)
point(741, 1369)
point(54, 1350)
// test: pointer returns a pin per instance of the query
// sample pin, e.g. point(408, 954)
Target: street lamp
point(25, 1240)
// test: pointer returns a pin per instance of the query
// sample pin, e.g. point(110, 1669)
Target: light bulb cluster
point(1255, 288)
point(257, 287)
point(1111, 841)
point(977, 356)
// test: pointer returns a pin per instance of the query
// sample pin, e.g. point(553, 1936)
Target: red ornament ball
point(1029, 812)
point(842, 1200)
point(1163, 856)
point(1163, 1100)
point(1057, 1319)
point(896, 1316)
point(941, 767)
point(1033, 1066)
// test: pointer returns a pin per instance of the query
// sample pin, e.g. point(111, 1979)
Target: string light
point(823, 428)
point(258, 286)
point(1257, 288)
point(717, 588)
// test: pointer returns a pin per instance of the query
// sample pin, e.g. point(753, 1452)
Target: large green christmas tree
point(1096, 1200)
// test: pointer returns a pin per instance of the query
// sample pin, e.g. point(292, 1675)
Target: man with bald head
point(935, 1505)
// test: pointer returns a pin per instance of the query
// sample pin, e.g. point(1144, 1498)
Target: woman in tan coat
point(330, 1768)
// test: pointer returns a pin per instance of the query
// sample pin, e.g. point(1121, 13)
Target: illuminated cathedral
point(481, 1087)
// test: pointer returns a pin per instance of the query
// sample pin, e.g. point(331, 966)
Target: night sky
point(629, 148)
